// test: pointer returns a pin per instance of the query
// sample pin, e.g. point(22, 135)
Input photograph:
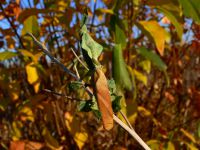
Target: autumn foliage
point(138, 58)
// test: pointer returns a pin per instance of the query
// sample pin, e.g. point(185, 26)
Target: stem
point(88, 90)
point(79, 59)
point(126, 119)
point(12, 25)
point(131, 132)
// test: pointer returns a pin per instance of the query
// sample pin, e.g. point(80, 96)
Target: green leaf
point(153, 57)
point(92, 48)
point(85, 106)
point(120, 72)
point(7, 55)
point(112, 86)
point(173, 19)
point(156, 33)
point(120, 37)
point(146, 65)
point(191, 9)
point(75, 85)
point(116, 103)
point(141, 77)
point(31, 26)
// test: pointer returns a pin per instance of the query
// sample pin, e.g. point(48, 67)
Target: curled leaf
point(103, 99)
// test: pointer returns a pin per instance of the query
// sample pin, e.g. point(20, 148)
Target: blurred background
point(151, 51)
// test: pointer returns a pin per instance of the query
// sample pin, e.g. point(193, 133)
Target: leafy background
point(151, 50)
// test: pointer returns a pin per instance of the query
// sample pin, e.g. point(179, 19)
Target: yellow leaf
point(146, 65)
point(76, 129)
point(34, 57)
point(80, 138)
point(144, 111)
point(154, 144)
point(26, 114)
point(33, 77)
point(188, 135)
point(141, 77)
point(155, 32)
point(170, 146)
point(16, 127)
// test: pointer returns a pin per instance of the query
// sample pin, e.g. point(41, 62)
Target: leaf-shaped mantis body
point(103, 98)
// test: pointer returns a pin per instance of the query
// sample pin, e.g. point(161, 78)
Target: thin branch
point(79, 59)
point(12, 25)
point(126, 119)
point(62, 95)
point(131, 132)
point(88, 90)
point(45, 50)
point(75, 68)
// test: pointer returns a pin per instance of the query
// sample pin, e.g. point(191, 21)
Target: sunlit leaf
point(80, 138)
point(146, 65)
point(154, 144)
point(26, 114)
point(141, 77)
point(76, 129)
point(120, 72)
point(16, 128)
point(173, 19)
point(7, 55)
point(32, 76)
point(153, 57)
point(31, 26)
point(34, 57)
point(103, 98)
point(92, 48)
point(156, 33)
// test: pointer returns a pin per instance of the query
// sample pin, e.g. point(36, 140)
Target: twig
point(75, 68)
point(131, 132)
point(125, 118)
point(44, 49)
point(62, 95)
point(115, 118)
point(12, 25)
point(79, 59)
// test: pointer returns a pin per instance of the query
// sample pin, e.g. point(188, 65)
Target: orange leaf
point(103, 99)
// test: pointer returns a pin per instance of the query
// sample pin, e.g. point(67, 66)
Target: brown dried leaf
point(103, 99)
